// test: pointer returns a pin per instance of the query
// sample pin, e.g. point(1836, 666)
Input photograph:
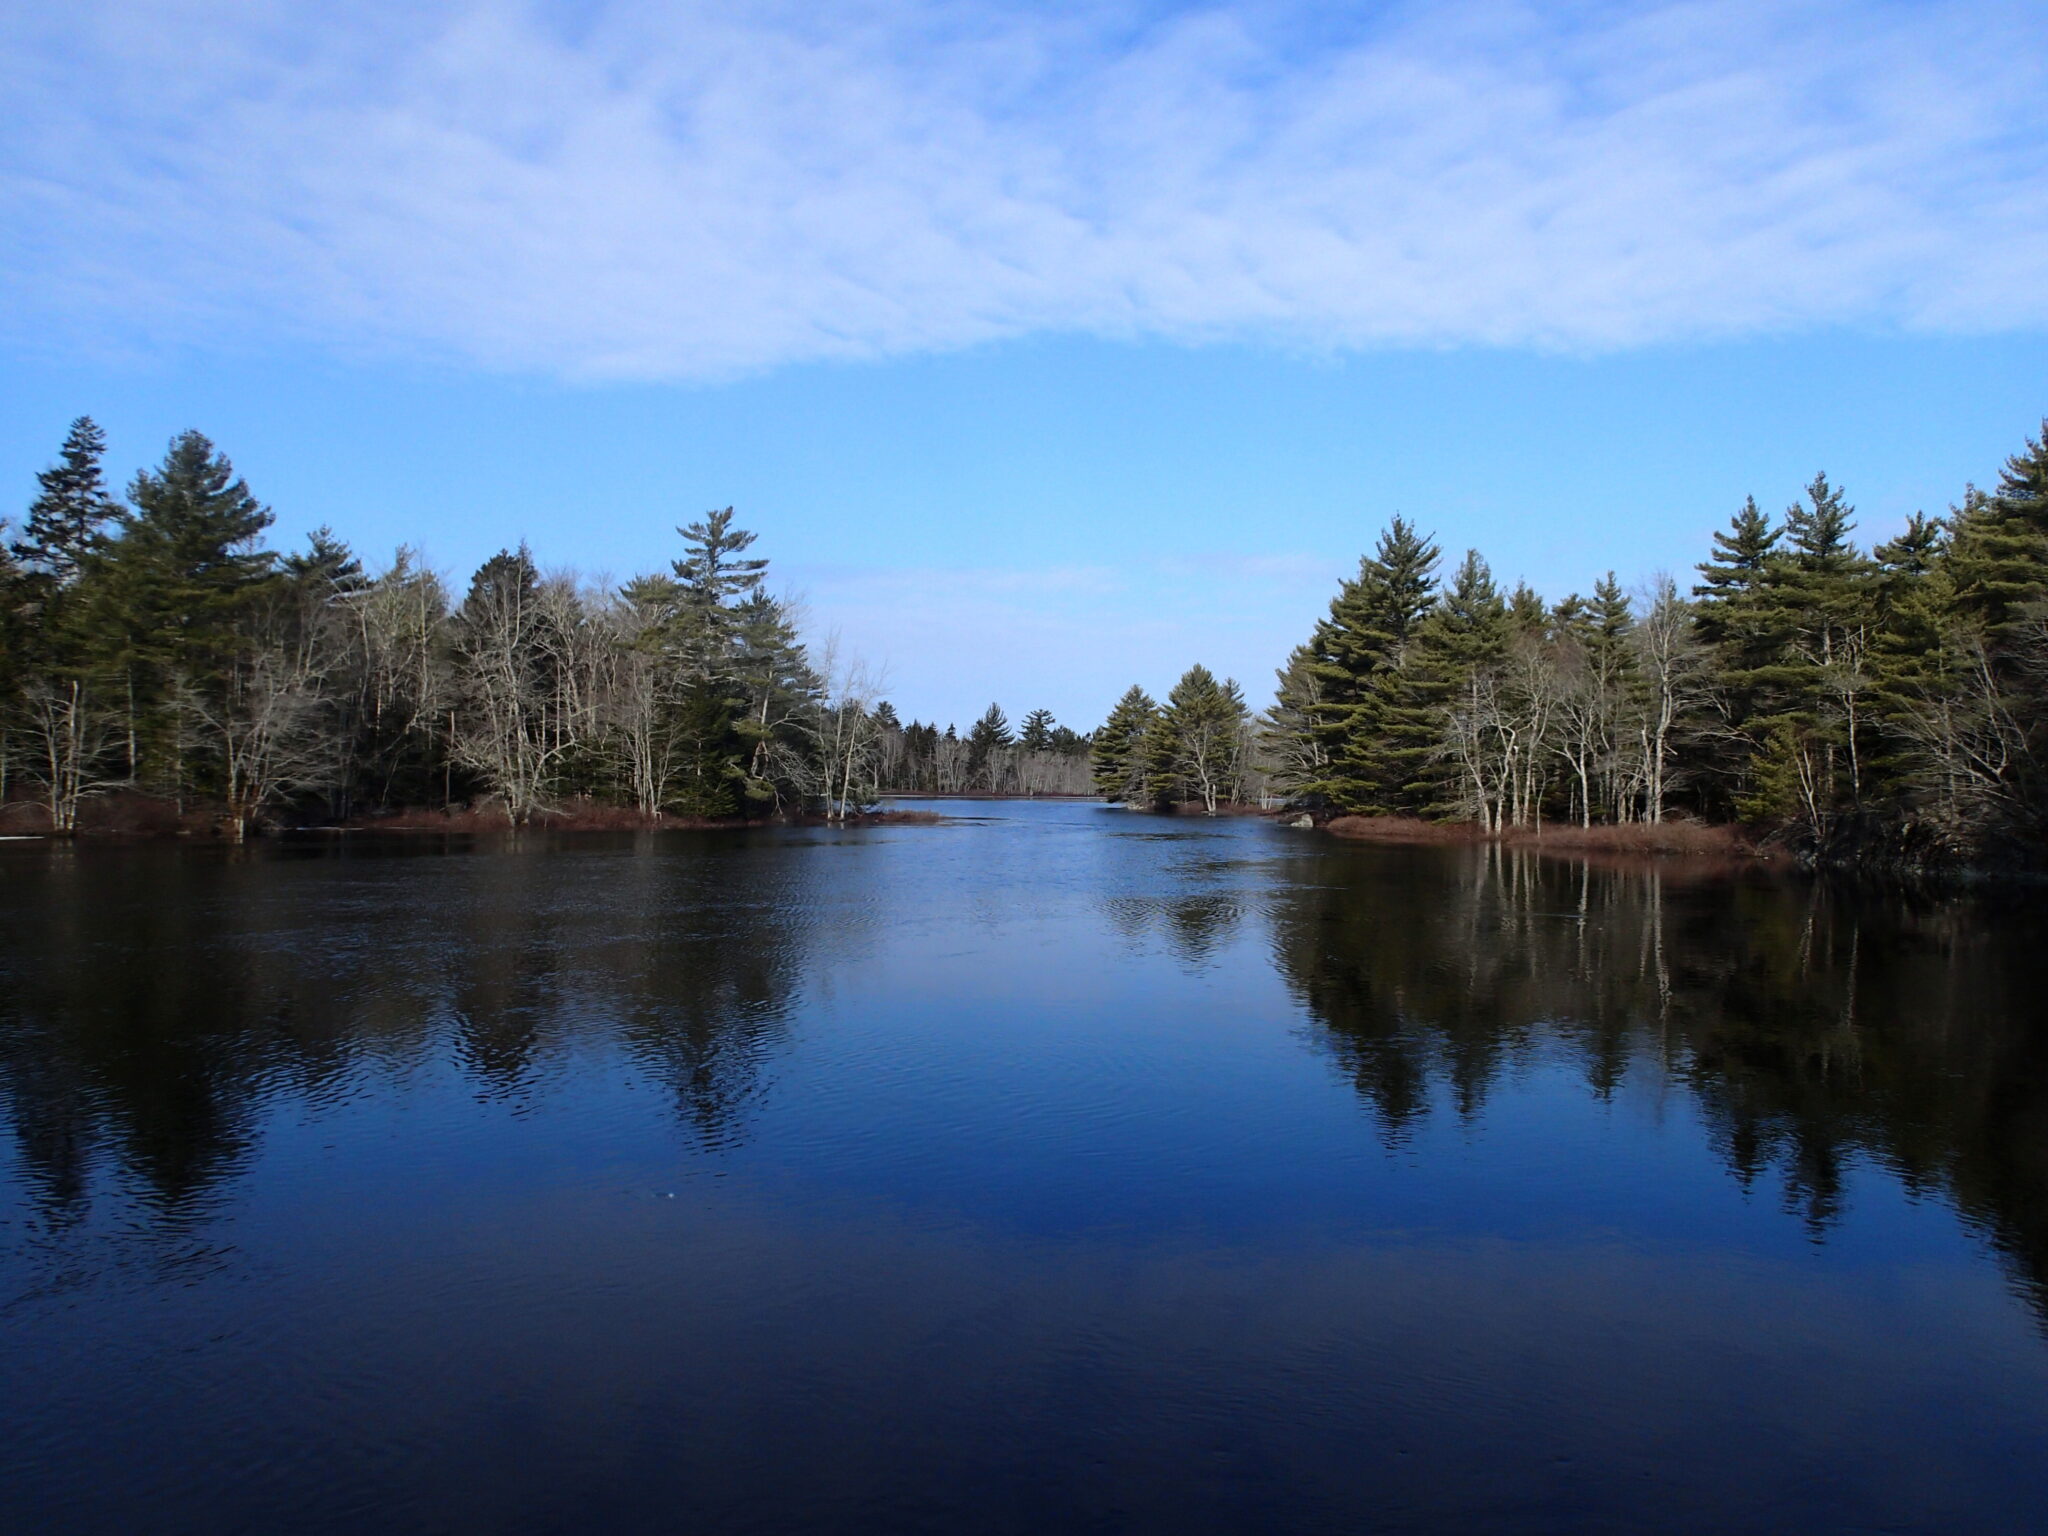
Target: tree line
point(1888, 703)
point(1042, 757)
point(1854, 705)
point(1200, 747)
point(153, 643)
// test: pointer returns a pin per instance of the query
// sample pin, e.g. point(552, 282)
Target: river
point(1051, 1169)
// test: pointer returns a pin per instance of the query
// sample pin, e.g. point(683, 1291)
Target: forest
point(1847, 706)
point(155, 655)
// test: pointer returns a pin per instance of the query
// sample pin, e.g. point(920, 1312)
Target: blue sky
point(1048, 348)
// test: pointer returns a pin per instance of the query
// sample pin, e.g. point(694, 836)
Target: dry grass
point(1685, 837)
point(576, 816)
point(421, 819)
point(120, 813)
point(1403, 829)
point(1691, 838)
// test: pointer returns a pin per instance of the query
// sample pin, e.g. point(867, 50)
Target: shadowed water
point(1055, 1170)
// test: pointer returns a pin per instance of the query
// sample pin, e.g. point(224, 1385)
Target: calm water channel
point(1058, 1170)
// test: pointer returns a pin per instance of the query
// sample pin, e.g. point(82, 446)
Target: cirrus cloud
point(662, 191)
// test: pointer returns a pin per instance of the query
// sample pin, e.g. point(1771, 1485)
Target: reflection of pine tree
point(1815, 1030)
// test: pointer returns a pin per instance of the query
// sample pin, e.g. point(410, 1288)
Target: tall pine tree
point(1371, 741)
point(1118, 754)
point(72, 511)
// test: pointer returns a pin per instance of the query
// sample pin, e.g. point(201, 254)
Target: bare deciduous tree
point(1672, 665)
point(70, 738)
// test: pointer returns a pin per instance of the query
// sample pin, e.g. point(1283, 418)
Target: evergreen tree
point(18, 632)
point(1370, 737)
point(67, 521)
point(1450, 678)
point(1916, 550)
point(1998, 557)
point(1912, 650)
point(46, 635)
point(1731, 582)
point(327, 569)
point(1199, 736)
point(711, 777)
point(712, 572)
point(1610, 615)
point(1526, 612)
point(165, 597)
point(1814, 694)
point(1740, 555)
point(1036, 735)
point(777, 687)
point(1288, 735)
point(1462, 638)
point(990, 736)
point(188, 556)
point(1739, 621)
point(1118, 753)
point(1067, 742)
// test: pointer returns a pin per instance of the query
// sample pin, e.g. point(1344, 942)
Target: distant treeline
point(1041, 758)
point(1854, 706)
point(154, 646)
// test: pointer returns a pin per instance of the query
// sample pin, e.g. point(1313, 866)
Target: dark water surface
point(1059, 1171)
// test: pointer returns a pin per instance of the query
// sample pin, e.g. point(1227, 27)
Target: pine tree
point(1036, 735)
point(328, 566)
point(1731, 578)
point(1815, 695)
point(1738, 620)
point(1913, 648)
point(776, 686)
point(989, 737)
point(164, 598)
point(1199, 737)
point(1118, 753)
point(711, 777)
point(18, 632)
point(1916, 550)
point(188, 555)
point(711, 571)
point(1288, 734)
point(1527, 613)
point(46, 631)
point(1366, 731)
point(1457, 651)
point(68, 520)
point(1998, 558)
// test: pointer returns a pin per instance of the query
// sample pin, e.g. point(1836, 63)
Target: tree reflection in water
point(1815, 1024)
point(161, 1002)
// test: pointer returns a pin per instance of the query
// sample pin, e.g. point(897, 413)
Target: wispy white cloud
point(661, 190)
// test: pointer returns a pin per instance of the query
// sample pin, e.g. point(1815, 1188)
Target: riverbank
point(129, 817)
point(1676, 837)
